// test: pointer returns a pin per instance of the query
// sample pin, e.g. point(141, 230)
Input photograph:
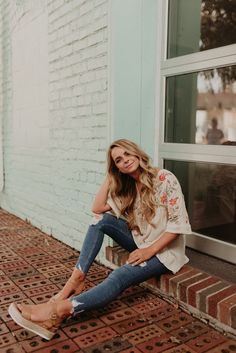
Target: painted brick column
point(78, 82)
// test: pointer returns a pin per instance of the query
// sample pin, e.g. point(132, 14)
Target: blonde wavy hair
point(123, 188)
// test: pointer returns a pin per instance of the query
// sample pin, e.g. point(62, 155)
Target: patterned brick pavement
point(34, 266)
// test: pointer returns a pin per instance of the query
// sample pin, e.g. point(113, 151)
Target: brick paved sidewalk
point(34, 266)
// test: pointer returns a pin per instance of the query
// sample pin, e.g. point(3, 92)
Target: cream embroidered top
point(171, 216)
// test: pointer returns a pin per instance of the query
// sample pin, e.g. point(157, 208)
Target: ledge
point(208, 297)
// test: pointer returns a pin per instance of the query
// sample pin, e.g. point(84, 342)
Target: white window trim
point(176, 152)
point(185, 68)
point(200, 61)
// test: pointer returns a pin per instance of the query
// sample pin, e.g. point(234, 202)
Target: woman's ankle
point(77, 275)
point(64, 308)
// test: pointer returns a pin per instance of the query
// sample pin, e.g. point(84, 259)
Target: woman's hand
point(138, 256)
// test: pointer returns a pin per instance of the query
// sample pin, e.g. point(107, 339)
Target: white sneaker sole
point(27, 324)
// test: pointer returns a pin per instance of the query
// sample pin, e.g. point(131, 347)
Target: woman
point(142, 209)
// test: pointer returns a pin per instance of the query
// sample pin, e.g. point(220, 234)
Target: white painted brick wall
point(52, 183)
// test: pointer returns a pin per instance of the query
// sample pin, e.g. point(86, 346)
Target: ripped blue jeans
point(119, 279)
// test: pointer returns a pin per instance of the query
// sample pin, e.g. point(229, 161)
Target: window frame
point(190, 63)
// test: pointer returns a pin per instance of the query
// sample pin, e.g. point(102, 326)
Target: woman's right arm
point(100, 202)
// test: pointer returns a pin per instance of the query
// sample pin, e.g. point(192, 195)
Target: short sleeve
point(172, 198)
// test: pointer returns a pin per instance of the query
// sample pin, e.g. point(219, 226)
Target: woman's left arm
point(177, 219)
point(140, 255)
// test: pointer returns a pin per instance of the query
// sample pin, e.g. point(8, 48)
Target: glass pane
point(210, 196)
point(201, 107)
point(196, 25)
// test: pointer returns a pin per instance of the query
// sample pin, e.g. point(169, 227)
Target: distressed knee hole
point(79, 268)
point(76, 306)
point(96, 218)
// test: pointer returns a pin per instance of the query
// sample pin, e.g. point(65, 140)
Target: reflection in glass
point(214, 136)
point(196, 25)
point(201, 107)
point(210, 195)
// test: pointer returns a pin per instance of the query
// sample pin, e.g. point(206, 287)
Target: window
point(210, 195)
point(197, 25)
point(201, 107)
point(197, 110)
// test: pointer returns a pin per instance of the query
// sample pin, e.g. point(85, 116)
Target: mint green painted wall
point(133, 59)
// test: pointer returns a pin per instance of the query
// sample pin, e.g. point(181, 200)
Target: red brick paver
point(34, 266)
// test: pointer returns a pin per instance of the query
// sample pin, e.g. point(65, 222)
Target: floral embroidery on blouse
point(172, 202)
point(169, 195)
point(174, 198)
point(162, 176)
point(163, 198)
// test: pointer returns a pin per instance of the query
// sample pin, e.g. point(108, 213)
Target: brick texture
point(55, 141)
point(139, 320)
point(200, 292)
point(224, 309)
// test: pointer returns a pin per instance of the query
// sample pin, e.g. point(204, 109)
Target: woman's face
point(125, 162)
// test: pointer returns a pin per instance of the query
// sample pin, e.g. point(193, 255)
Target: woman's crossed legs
point(44, 319)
